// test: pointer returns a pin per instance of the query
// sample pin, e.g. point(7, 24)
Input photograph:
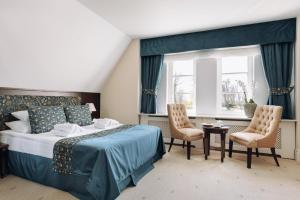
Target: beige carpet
point(174, 177)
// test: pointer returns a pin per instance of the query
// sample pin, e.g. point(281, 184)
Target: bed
point(101, 163)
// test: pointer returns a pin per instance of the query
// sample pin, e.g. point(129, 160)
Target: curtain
point(251, 34)
point(278, 66)
point(150, 76)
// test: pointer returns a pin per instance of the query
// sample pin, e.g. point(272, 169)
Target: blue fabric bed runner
point(63, 149)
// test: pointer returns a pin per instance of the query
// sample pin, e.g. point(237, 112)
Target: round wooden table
point(222, 131)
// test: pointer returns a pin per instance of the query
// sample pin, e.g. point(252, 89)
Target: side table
point(222, 131)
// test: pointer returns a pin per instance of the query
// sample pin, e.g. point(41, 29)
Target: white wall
point(120, 96)
point(56, 45)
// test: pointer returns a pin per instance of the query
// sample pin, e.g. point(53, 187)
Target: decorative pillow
point(43, 118)
point(19, 126)
point(21, 115)
point(79, 114)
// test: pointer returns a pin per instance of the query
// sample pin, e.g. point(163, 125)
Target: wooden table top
point(214, 129)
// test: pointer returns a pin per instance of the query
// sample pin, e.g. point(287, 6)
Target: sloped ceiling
point(56, 45)
point(148, 18)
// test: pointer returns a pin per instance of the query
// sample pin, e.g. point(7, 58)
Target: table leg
point(222, 147)
point(206, 146)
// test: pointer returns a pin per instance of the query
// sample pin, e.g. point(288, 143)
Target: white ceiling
point(148, 18)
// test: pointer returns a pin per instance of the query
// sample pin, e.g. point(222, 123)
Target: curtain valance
point(253, 34)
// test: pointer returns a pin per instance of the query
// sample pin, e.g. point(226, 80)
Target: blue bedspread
point(102, 167)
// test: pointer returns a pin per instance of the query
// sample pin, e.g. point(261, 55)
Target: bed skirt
point(40, 169)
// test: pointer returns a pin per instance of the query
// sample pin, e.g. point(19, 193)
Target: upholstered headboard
point(12, 100)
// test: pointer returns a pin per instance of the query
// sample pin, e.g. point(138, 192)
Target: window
point(181, 87)
point(213, 82)
point(237, 75)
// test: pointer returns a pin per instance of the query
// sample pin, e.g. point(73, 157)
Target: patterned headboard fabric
point(12, 103)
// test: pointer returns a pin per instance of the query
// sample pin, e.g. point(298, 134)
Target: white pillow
point(21, 115)
point(19, 126)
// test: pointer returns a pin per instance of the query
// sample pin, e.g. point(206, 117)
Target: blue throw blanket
point(113, 161)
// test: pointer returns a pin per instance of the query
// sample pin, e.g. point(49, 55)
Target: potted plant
point(249, 106)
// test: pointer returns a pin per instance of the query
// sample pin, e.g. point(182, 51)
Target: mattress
point(37, 144)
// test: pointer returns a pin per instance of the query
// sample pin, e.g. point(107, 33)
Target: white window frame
point(170, 83)
point(217, 54)
point(250, 85)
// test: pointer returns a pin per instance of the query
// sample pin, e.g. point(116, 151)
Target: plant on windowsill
point(249, 107)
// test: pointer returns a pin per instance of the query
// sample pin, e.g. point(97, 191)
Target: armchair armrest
point(268, 141)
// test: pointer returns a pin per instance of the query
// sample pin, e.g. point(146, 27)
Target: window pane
point(183, 67)
point(234, 64)
point(183, 84)
point(186, 99)
point(234, 83)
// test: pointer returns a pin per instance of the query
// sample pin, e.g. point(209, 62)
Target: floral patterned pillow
point(43, 118)
point(79, 114)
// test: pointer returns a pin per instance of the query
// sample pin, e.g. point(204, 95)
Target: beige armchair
point(261, 133)
point(181, 127)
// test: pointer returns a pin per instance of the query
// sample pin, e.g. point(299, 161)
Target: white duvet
point(39, 144)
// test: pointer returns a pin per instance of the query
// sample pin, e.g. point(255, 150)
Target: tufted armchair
point(181, 127)
point(261, 132)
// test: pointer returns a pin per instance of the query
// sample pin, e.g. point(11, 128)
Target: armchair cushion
point(191, 134)
point(246, 138)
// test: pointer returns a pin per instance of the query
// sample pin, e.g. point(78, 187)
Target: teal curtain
point(150, 76)
point(278, 66)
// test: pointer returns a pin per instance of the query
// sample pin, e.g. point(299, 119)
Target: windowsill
point(216, 117)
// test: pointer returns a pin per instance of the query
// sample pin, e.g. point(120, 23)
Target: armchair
point(261, 133)
point(181, 127)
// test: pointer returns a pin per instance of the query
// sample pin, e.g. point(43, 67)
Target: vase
point(249, 109)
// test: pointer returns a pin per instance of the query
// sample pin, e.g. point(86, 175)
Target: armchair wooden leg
point(183, 143)
point(188, 150)
point(256, 151)
point(249, 157)
point(230, 148)
point(204, 145)
point(171, 143)
point(275, 156)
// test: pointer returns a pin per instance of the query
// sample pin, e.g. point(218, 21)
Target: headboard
point(12, 99)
